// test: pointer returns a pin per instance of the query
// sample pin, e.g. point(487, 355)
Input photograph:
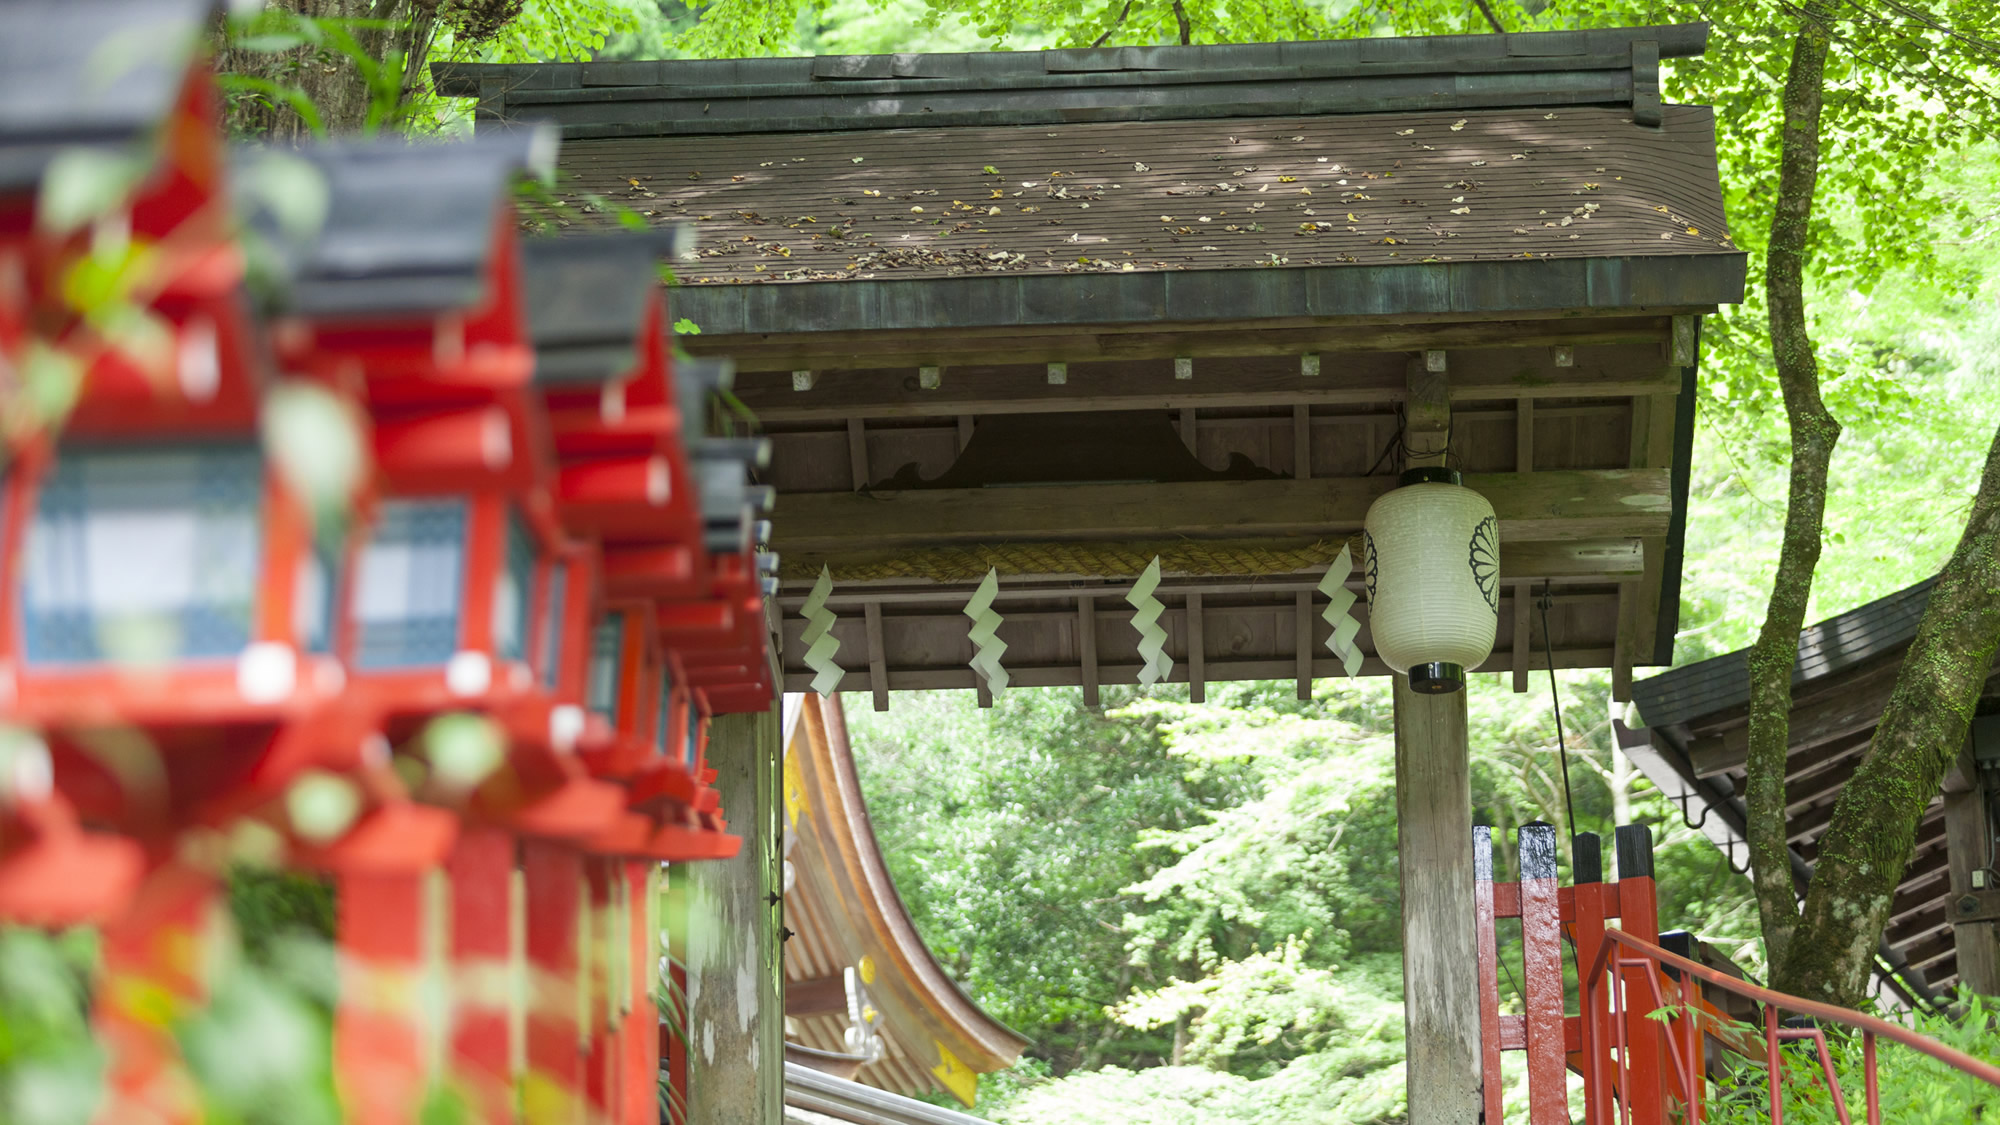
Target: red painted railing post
point(483, 952)
point(553, 1092)
point(1587, 933)
point(1645, 1086)
point(639, 1040)
point(153, 968)
point(601, 1066)
point(1542, 977)
point(383, 1045)
point(1486, 942)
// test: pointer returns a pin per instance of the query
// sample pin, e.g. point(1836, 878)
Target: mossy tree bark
point(1814, 431)
point(1826, 948)
point(1874, 827)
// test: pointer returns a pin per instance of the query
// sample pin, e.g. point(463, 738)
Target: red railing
point(1684, 1046)
point(1639, 1067)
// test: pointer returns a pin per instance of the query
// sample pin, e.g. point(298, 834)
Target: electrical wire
point(1555, 701)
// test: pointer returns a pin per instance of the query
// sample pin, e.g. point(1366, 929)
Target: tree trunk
point(1814, 432)
point(330, 79)
point(1874, 827)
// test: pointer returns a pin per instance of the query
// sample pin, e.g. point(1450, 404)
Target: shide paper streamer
point(987, 647)
point(1339, 613)
point(1152, 638)
point(818, 638)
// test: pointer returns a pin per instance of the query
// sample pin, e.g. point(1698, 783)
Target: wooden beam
point(1968, 826)
point(817, 996)
point(926, 678)
point(1155, 341)
point(1524, 435)
point(1196, 653)
point(1856, 707)
point(1524, 632)
point(1302, 455)
point(1086, 647)
point(857, 453)
point(1302, 640)
point(1243, 381)
point(878, 668)
point(1562, 506)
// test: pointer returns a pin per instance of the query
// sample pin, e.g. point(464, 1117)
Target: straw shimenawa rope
point(1097, 560)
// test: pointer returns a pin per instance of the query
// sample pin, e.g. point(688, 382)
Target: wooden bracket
point(1975, 906)
point(1426, 415)
point(1684, 331)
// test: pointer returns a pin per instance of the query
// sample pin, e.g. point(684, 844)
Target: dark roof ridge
point(1612, 66)
point(1836, 644)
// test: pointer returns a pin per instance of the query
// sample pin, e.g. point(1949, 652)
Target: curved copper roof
point(845, 915)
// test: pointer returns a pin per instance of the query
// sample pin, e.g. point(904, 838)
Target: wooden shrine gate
point(1652, 1024)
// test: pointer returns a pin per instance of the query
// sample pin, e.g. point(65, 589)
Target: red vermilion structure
point(360, 571)
point(1636, 1067)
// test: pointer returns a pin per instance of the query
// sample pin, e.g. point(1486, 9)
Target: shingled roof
point(1337, 164)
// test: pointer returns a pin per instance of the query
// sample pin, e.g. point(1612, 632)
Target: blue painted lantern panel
point(407, 589)
point(144, 554)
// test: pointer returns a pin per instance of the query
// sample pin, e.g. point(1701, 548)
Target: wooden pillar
point(1968, 833)
point(1440, 950)
point(734, 960)
point(385, 1034)
point(553, 1091)
point(483, 954)
point(1434, 840)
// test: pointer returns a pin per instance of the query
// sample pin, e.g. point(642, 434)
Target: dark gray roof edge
point(1827, 648)
point(1674, 41)
point(1639, 282)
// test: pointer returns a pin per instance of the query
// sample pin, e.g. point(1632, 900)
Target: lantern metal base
point(1437, 679)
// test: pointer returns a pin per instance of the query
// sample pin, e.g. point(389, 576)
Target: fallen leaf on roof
point(1479, 164)
point(1166, 218)
point(870, 191)
point(1392, 240)
point(1590, 187)
point(993, 210)
point(1458, 124)
point(1548, 117)
point(1138, 167)
point(1458, 199)
point(1404, 132)
point(1694, 232)
point(857, 160)
point(990, 170)
point(1519, 156)
point(1305, 191)
point(1461, 210)
point(634, 183)
point(1030, 183)
point(1202, 219)
point(995, 195)
point(1126, 268)
point(916, 210)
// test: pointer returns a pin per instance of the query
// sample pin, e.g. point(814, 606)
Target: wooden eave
point(843, 907)
point(1693, 748)
point(1244, 249)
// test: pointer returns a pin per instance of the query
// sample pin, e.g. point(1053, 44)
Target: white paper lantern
point(1433, 575)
